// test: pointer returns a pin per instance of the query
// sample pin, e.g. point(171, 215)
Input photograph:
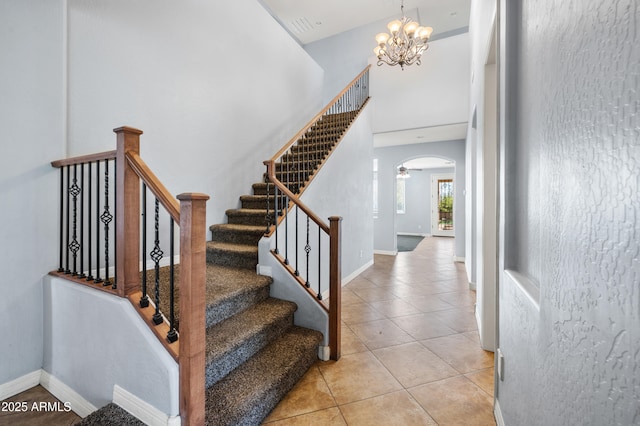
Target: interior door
point(442, 207)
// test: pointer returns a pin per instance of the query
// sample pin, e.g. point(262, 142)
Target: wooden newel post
point(127, 212)
point(335, 286)
point(192, 306)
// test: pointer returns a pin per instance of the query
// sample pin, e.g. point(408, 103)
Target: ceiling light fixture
point(403, 173)
point(406, 43)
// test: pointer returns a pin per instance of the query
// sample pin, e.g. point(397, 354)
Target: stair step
point(237, 234)
point(235, 255)
point(233, 341)
point(255, 217)
point(251, 391)
point(232, 290)
point(259, 202)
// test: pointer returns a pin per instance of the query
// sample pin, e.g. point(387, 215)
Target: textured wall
point(577, 216)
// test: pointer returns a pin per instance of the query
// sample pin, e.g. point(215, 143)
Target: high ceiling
point(309, 21)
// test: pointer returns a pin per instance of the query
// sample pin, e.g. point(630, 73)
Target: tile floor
point(410, 350)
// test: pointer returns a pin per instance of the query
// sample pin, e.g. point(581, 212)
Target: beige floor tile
point(484, 379)
point(327, 417)
point(394, 308)
point(380, 333)
point(459, 298)
point(460, 319)
point(460, 352)
point(359, 282)
point(423, 326)
point(360, 312)
point(375, 294)
point(412, 364)
point(310, 394)
point(455, 401)
point(394, 409)
point(350, 298)
point(351, 344)
point(429, 303)
point(358, 376)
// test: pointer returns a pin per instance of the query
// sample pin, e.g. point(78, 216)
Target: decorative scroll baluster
point(106, 217)
point(268, 218)
point(74, 246)
point(172, 335)
point(144, 300)
point(67, 269)
point(98, 279)
point(307, 249)
point(156, 255)
point(115, 226)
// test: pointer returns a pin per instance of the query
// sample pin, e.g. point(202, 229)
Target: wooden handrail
point(100, 156)
point(283, 188)
point(317, 116)
point(153, 183)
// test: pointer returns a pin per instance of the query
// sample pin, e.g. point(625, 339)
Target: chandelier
point(405, 44)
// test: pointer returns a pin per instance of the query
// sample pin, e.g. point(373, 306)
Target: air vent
point(301, 25)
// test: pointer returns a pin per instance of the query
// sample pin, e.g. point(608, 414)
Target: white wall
point(570, 305)
point(32, 121)
point(94, 340)
point(208, 108)
point(432, 94)
point(389, 158)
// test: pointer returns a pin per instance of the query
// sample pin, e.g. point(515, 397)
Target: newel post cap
point(127, 129)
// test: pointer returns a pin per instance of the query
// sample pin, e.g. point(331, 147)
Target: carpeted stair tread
point(230, 254)
point(233, 341)
point(251, 391)
point(237, 233)
point(110, 415)
point(255, 217)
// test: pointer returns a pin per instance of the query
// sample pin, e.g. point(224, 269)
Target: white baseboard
point(472, 286)
point(413, 234)
point(498, 413)
point(64, 393)
point(458, 259)
point(355, 273)
point(324, 353)
point(386, 252)
point(142, 410)
point(21, 384)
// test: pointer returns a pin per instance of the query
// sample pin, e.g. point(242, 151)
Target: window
point(400, 200)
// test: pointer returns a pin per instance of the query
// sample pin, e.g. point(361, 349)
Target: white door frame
point(434, 204)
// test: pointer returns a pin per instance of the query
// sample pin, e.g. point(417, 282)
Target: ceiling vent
point(301, 25)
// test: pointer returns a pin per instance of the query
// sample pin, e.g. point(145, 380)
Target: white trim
point(142, 410)
point(413, 234)
point(21, 384)
point(324, 353)
point(526, 286)
point(64, 393)
point(357, 272)
point(264, 270)
point(472, 286)
point(497, 412)
point(386, 252)
point(458, 259)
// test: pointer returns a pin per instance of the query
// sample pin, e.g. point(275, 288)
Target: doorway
point(442, 223)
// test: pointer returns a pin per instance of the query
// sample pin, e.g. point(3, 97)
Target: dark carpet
point(408, 242)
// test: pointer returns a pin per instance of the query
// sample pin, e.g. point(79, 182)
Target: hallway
point(410, 350)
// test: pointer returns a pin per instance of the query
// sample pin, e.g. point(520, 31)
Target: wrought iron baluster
point(296, 271)
point(81, 273)
point(172, 335)
point(156, 255)
point(286, 231)
point(60, 267)
point(67, 269)
point(98, 280)
point(115, 226)
point(319, 263)
point(307, 249)
point(74, 246)
point(89, 275)
point(268, 218)
point(106, 217)
point(144, 300)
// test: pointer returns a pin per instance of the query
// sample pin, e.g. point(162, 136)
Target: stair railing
point(311, 249)
point(115, 265)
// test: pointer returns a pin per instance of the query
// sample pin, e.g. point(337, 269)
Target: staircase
point(255, 354)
